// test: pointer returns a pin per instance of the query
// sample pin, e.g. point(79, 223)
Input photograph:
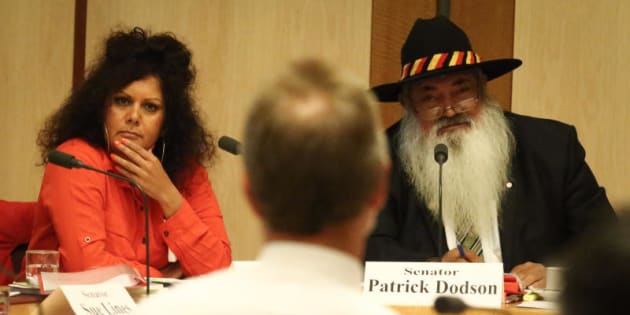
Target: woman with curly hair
point(134, 115)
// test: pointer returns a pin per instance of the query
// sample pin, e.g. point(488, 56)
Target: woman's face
point(136, 113)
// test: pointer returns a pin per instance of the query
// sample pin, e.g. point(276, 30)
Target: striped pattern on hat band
point(439, 61)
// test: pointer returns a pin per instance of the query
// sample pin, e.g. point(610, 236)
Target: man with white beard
point(516, 189)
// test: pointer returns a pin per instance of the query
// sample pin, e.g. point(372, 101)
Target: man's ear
point(379, 196)
point(377, 200)
point(247, 189)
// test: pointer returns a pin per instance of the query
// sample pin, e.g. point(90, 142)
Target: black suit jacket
point(554, 198)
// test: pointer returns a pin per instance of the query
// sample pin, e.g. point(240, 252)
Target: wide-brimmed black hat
point(438, 46)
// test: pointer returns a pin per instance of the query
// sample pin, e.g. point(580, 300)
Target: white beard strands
point(475, 173)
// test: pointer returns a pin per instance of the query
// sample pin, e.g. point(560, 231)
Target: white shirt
point(289, 278)
point(490, 240)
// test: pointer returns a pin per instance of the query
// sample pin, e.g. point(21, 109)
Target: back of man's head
point(314, 152)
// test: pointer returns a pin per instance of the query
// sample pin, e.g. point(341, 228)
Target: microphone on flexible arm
point(455, 305)
point(440, 154)
point(69, 161)
point(230, 145)
point(449, 304)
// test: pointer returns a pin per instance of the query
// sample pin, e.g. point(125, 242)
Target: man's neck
point(351, 245)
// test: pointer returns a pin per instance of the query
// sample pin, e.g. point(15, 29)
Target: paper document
point(117, 274)
point(547, 305)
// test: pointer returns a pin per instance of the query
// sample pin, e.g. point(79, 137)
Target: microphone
point(455, 305)
point(63, 159)
point(230, 145)
point(449, 304)
point(440, 154)
point(69, 161)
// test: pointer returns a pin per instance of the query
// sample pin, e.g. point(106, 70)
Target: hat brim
point(492, 69)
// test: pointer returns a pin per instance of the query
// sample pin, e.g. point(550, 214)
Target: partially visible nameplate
point(97, 299)
point(420, 283)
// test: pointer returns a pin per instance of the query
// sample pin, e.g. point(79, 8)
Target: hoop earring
point(163, 150)
point(107, 140)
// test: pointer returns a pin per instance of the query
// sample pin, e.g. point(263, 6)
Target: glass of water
point(39, 260)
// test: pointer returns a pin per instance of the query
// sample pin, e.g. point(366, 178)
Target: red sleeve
point(75, 202)
point(196, 232)
point(17, 223)
point(6, 267)
point(15, 229)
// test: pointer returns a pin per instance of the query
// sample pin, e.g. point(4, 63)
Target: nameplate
point(99, 299)
point(420, 283)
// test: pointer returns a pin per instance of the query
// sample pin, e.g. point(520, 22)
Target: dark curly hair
point(127, 57)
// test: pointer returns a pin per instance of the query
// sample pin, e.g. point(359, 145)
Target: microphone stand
point(441, 234)
point(440, 156)
point(145, 208)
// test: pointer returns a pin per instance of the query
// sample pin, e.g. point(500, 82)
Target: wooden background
point(575, 59)
point(35, 76)
point(237, 46)
point(576, 66)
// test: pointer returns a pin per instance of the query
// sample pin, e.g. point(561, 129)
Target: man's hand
point(454, 256)
point(531, 274)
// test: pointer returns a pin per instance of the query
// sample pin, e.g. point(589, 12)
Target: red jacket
point(95, 220)
point(16, 224)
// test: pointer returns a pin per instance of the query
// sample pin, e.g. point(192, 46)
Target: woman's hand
point(144, 168)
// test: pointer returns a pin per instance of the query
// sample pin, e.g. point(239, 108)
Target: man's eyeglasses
point(433, 110)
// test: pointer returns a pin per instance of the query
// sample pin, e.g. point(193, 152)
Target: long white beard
point(475, 174)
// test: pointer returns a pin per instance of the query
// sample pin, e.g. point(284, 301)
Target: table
point(29, 308)
point(27, 305)
point(23, 304)
point(506, 309)
point(23, 309)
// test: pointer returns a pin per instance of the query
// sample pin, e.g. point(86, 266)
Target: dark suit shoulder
point(392, 137)
point(538, 126)
point(534, 136)
point(541, 136)
point(393, 130)
point(519, 123)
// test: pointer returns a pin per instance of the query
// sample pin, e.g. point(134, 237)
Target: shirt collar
point(325, 262)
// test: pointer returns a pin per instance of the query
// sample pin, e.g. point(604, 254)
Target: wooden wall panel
point(35, 76)
point(575, 70)
point(391, 23)
point(237, 45)
point(490, 28)
point(488, 23)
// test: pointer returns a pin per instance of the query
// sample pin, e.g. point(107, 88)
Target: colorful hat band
point(439, 61)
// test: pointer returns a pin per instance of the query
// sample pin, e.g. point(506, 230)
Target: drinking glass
point(39, 260)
